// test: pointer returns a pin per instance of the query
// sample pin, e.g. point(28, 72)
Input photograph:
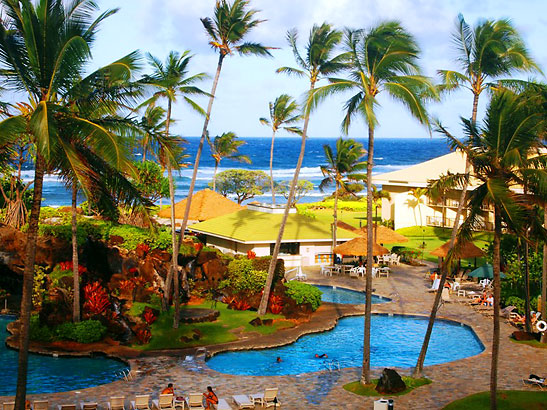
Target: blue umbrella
point(484, 271)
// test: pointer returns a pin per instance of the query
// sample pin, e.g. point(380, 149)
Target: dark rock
point(195, 336)
point(185, 339)
point(267, 322)
point(116, 240)
point(390, 382)
point(521, 336)
point(197, 332)
point(256, 322)
point(204, 257)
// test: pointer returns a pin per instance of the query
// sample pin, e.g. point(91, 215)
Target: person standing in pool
point(278, 360)
point(321, 356)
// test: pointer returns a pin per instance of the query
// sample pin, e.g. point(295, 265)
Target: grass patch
point(368, 390)
point(165, 337)
point(533, 343)
point(507, 400)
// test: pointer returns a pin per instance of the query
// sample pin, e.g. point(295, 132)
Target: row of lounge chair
point(194, 401)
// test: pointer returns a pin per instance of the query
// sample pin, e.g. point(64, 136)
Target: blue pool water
point(342, 295)
point(395, 341)
point(48, 374)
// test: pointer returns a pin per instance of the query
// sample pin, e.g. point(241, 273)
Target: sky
point(248, 84)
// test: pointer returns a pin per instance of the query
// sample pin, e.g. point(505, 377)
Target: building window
point(290, 248)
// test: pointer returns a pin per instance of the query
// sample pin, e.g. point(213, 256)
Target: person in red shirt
point(169, 389)
point(210, 398)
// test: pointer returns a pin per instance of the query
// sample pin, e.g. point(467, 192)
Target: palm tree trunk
point(496, 332)
point(365, 372)
point(273, 263)
point(215, 176)
point(75, 267)
point(527, 321)
point(271, 168)
point(196, 162)
point(28, 279)
point(335, 224)
point(173, 275)
point(544, 278)
point(445, 267)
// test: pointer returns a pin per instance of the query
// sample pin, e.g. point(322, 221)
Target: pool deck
point(407, 287)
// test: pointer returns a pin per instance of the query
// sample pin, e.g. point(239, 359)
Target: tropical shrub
point(263, 263)
point(303, 293)
point(39, 286)
point(243, 277)
point(96, 299)
point(407, 254)
point(143, 336)
point(39, 332)
point(89, 331)
point(275, 304)
point(149, 316)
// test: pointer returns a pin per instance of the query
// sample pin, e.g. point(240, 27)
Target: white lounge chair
point(434, 286)
point(116, 403)
point(9, 405)
point(40, 405)
point(165, 402)
point(88, 405)
point(142, 402)
point(243, 402)
point(445, 296)
point(541, 383)
point(195, 401)
point(266, 399)
point(223, 405)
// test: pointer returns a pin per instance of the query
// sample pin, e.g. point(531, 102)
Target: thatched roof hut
point(358, 247)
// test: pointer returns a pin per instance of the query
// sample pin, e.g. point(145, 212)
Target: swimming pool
point(47, 374)
point(395, 341)
point(342, 295)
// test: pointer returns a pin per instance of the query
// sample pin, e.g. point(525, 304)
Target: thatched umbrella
point(467, 250)
point(206, 204)
point(358, 247)
point(382, 233)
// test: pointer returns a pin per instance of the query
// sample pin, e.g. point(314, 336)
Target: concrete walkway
point(323, 390)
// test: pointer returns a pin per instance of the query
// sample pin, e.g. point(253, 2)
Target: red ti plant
point(126, 285)
point(276, 304)
point(251, 255)
point(96, 299)
point(149, 315)
point(143, 247)
point(69, 266)
point(240, 304)
point(143, 336)
point(198, 246)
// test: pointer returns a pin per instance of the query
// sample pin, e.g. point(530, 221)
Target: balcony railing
point(437, 221)
point(452, 203)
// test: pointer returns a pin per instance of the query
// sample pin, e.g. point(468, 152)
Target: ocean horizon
point(389, 154)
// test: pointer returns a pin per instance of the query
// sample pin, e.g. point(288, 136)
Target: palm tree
point(231, 23)
point(226, 146)
point(284, 111)
point(490, 50)
point(342, 167)
point(504, 154)
point(377, 196)
point(316, 63)
point(384, 58)
point(171, 80)
point(152, 124)
point(44, 48)
point(417, 194)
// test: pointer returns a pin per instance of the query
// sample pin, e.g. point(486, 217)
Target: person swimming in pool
point(321, 356)
point(278, 360)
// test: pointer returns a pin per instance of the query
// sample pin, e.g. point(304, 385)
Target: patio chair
point(88, 405)
point(266, 399)
point(10, 405)
point(384, 272)
point(243, 402)
point(165, 402)
point(40, 405)
point(353, 272)
point(142, 402)
point(116, 403)
point(195, 401)
point(395, 259)
point(223, 405)
point(535, 381)
point(66, 407)
point(485, 283)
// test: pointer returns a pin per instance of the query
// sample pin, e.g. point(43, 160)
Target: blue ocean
point(390, 154)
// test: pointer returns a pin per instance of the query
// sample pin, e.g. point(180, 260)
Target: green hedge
point(243, 277)
point(304, 293)
point(87, 331)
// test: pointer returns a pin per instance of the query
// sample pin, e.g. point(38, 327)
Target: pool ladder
point(127, 375)
point(333, 365)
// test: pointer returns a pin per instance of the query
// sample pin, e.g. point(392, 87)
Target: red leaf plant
point(276, 304)
point(251, 255)
point(96, 299)
point(143, 336)
point(240, 304)
point(143, 247)
point(198, 246)
point(149, 315)
point(126, 285)
point(139, 281)
point(69, 266)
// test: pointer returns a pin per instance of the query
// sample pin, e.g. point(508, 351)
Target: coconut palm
point(171, 80)
point(44, 48)
point(505, 154)
point(492, 49)
point(226, 146)
point(417, 194)
point(284, 111)
point(231, 23)
point(152, 124)
point(377, 196)
point(342, 166)
point(382, 59)
point(319, 61)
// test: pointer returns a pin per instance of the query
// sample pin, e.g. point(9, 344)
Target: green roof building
point(306, 241)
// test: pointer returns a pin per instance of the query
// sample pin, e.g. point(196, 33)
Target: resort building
point(306, 241)
point(406, 210)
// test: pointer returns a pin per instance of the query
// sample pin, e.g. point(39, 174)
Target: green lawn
point(165, 337)
point(369, 390)
point(507, 400)
point(533, 343)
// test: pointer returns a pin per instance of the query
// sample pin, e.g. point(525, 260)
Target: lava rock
point(256, 322)
point(390, 382)
point(267, 322)
point(520, 336)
